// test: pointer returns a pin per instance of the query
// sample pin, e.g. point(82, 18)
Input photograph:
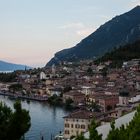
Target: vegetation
point(15, 87)
point(8, 77)
point(67, 88)
point(80, 137)
point(90, 71)
point(94, 106)
point(124, 93)
point(104, 71)
point(13, 124)
point(130, 132)
point(125, 53)
point(68, 103)
point(55, 100)
point(93, 134)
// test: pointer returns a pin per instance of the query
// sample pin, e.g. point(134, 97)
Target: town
point(91, 90)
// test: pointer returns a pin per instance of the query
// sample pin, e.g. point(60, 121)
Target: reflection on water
point(46, 120)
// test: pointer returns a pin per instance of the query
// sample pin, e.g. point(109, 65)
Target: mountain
point(121, 54)
point(5, 66)
point(118, 31)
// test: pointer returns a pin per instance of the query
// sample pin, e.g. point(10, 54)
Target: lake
point(46, 120)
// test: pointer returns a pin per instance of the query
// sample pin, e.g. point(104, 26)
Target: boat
point(60, 136)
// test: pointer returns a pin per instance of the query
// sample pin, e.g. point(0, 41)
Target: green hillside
point(123, 53)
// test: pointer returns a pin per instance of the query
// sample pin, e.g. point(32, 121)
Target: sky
point(32, 31)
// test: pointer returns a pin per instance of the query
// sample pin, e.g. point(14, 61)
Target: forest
point(123, 53)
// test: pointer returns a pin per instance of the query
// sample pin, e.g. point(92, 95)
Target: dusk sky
point(31, 31)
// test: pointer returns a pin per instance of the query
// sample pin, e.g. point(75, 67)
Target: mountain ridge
point(122, 54)
point(7, 66)
point(118, 31)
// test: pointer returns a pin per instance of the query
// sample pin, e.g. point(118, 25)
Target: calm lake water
point(46, 120)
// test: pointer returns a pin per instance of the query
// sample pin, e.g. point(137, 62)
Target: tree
point(113, 134)
point(8, 77)
point(67, 88)
point(124, 93)
point(68, 102)
point(90, 71)
point(13, 125)
point(104, 71)
point(95, 106)
point(80, 137)
point(93, 134)
point(121, 54)
point(130, 132)
point(55, 100)
point(5, 115)
point(15, 87)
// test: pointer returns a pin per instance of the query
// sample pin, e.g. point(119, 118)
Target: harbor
point(20, 96)
point(47, 121)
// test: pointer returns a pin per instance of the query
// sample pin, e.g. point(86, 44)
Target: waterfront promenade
point(20, 96)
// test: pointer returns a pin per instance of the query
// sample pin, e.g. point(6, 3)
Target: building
point(94, 98)
point(108, 103)
point(105, 129)
point(111, 84)
point(78, 122)
point(76, 97)
point(86, 90)
point(4, 87)
point(135, 99)
point(123, 100)
point(42, 76)
point(138, 85)
point(55, 91)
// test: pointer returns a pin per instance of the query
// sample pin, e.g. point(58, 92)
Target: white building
point(86, 90)
point(123, 100)
point(42, 75)
point(104, 129)
point(135, 99)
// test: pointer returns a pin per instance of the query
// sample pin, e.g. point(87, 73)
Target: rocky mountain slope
point(120, 30)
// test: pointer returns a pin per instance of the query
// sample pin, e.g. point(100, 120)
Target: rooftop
point(83, 114)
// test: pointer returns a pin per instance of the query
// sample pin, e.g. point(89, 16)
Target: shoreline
point(32, 98)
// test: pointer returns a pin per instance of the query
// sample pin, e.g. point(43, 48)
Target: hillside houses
point(88, 88)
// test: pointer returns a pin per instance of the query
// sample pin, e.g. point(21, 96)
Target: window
point(82, 126)
point(77, 126)
point(66, 131)
point(71, 125)
point(66, 125)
